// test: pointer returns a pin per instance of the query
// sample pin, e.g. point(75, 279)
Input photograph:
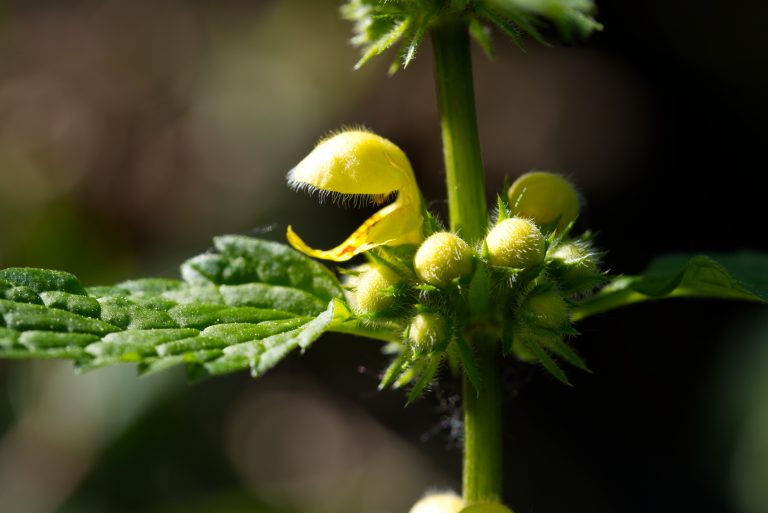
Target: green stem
point(468, 214)
point(458, 122)
point(483, 427)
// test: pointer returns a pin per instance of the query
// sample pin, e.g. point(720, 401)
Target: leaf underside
point(245, 305)
point(741, 276)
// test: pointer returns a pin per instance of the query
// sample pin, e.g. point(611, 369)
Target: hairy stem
point(458, 122)
point(482, 427)
point(468, 215)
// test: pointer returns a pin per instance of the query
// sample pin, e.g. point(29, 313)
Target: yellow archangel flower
point(359, 165)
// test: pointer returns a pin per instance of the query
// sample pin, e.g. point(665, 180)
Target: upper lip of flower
point(361, 168)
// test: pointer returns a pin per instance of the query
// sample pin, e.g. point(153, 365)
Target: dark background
point(133, 132)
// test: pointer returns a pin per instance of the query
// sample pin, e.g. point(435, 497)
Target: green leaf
point(247, 260)
point(394, 370)
point(246, 305)
point(469, 363)
point(410, 371)
point(385, 41)
point(546, 361)
point(561, 348)
point(508, 27)
point(742, 276)
point(418, 36)
point(572, 18)
point(262, 354)
point(425, 378)
point(482, 35)
point(25, 317)
point(42, 280)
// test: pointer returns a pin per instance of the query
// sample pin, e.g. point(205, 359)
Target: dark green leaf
point(469, 363)
point(572, 18)
point(262, 354)
point(24, 317)
point(546, 361)
point(425, 378)
point(418, 35)
point(394, 370)
point(81, 305)
point(561, 348)
point(506, 26)
point(21, 294)
point(482, 35)
point(42, 280)
point(248, 304)
point(742, 276)
point(385, 41)
point(201, 316)
point(409, 372)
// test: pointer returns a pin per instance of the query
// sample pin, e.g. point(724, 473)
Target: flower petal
point(398, 223)
point(355, 162)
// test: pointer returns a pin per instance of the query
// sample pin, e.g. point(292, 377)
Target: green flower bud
point(520, 349)
point(544, 197)
point(427, 332)
point(439, 503)
point(577, 261)
point(515, 242)
point(441, 258)
point(372, 294)
point(546, 309)
point(486, 507)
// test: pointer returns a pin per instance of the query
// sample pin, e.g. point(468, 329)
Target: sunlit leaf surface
point(247, 304)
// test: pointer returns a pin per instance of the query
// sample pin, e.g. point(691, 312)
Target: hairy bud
point(576, 261)
point(486, 507)
point(544, 197)
point(373, 294)
point(515, 242)
point(546, 309)
point(427, 332)
point(439, 503)
point(441, 258)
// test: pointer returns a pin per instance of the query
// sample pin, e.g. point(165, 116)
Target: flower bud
point(439, 503)
point(373, 292)
point(544, 197)
point(486, 507)
point(576, 260)
point(546, 309)
point(515, 242)
point(441, 258)
point(427, 331)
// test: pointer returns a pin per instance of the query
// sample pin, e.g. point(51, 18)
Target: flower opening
point(359, 166)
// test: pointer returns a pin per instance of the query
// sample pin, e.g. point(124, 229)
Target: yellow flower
point(361, 166)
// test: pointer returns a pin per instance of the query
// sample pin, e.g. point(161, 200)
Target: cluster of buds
point(423, 280)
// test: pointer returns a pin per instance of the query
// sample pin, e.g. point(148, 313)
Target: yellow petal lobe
point(356, 164)
point(394, 224)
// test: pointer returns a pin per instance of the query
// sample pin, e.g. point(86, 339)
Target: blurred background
point(133, 132)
